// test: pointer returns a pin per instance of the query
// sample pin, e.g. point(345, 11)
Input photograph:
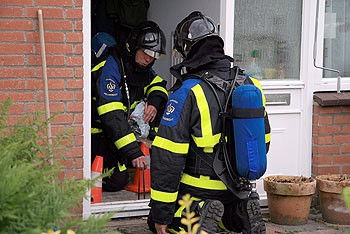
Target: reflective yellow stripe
point(159, 88)
point(101, 64)
point(125, 140)
point(163, 196)
point(203, 182)
point(207, 142)
point(134, 105)
point(96, 130)
point(257, 84)
point(179, 148)
point(267, 137)
point(112, 106)
point(156, 79)
point(121, 167)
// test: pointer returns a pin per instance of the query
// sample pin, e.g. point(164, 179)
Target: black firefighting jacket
point(189, 124)
point(111, 104)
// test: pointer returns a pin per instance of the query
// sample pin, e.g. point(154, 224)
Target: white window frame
point(325, 84)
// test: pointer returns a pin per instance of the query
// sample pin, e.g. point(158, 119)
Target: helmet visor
point(200, 27)
point(151, 53)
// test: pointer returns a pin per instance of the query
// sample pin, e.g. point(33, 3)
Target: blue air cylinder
point(249, 131)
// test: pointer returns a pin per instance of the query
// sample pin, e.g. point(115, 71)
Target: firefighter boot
point(251, 219)
point(210, 216)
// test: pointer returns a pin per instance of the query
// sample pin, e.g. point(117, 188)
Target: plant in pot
point(289, 198)
point(332, 205)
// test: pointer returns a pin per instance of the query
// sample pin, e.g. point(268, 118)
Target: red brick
point(322, 160)
point(79, 162)
point(67, 163)
point(327, 150)
point(48, 37)
point(325, 170)
point(329, 129)
point(60, 3)
point(75, 107)
point(13, 12)
point(345, 169)
point(58, 25)
point(17, 2)
point(79, 95)
point(324, 120)
point(16, 25)
point(16, 49)
point(78, 118)
point(17, 96)
point(79, 73)
point(58, 95)
point(16, 72)
point(12, 84)
point(323, 140)
point(78, 141)
point(330, 110)
point(48, 13)
point(341, 139)
point(63, 119)
point(346, 109)
point(74, 84)
point(74, 61)
point(74, 152)
point(78, 49)
point(343, 119)
point(57, 49)
point(17, 109)
point(346, 129)
point(50, 60)
point(12, 36)
point(78, 26)
point(345, 148)
point(341, 159)
point(59, 72)
point(76, 13)
point(77, 174)
point(11, 60)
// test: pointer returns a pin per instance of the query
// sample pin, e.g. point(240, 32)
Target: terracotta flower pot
point(332, 205)
point(289, 198)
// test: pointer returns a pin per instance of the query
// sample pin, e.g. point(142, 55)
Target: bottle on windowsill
point(254, 70)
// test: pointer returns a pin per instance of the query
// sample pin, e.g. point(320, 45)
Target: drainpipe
point(315, 52)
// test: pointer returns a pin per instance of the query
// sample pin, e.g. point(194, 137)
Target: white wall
point(168, 13)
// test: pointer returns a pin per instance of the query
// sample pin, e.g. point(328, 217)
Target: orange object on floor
point(142, 177)
point(96, 189)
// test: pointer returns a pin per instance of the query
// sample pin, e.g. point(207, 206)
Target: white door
point(271, 40)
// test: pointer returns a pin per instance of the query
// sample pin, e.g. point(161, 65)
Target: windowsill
point(332, 98)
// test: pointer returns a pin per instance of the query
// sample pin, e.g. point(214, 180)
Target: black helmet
point(192, 29)
point(147, 36)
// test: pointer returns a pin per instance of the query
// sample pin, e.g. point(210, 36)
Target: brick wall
point(331, 134)
point(21, 67)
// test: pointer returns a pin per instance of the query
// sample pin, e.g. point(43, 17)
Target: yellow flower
point(50, 231)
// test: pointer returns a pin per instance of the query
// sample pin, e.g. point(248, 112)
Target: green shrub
point(32, 199)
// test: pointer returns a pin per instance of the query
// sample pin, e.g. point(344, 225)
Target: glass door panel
point(267, 37)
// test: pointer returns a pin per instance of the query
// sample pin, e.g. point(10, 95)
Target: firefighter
point(190, 129)
point(119, 82)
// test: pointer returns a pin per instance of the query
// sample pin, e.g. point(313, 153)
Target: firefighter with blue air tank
point(194, 152)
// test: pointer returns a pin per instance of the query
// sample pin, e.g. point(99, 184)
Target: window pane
point(267, 37)
point(337, 38)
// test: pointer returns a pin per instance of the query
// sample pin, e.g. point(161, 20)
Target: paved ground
point(315, 225)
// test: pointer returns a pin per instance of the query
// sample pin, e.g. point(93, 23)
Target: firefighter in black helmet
point(189, 137)
point(119, 82)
